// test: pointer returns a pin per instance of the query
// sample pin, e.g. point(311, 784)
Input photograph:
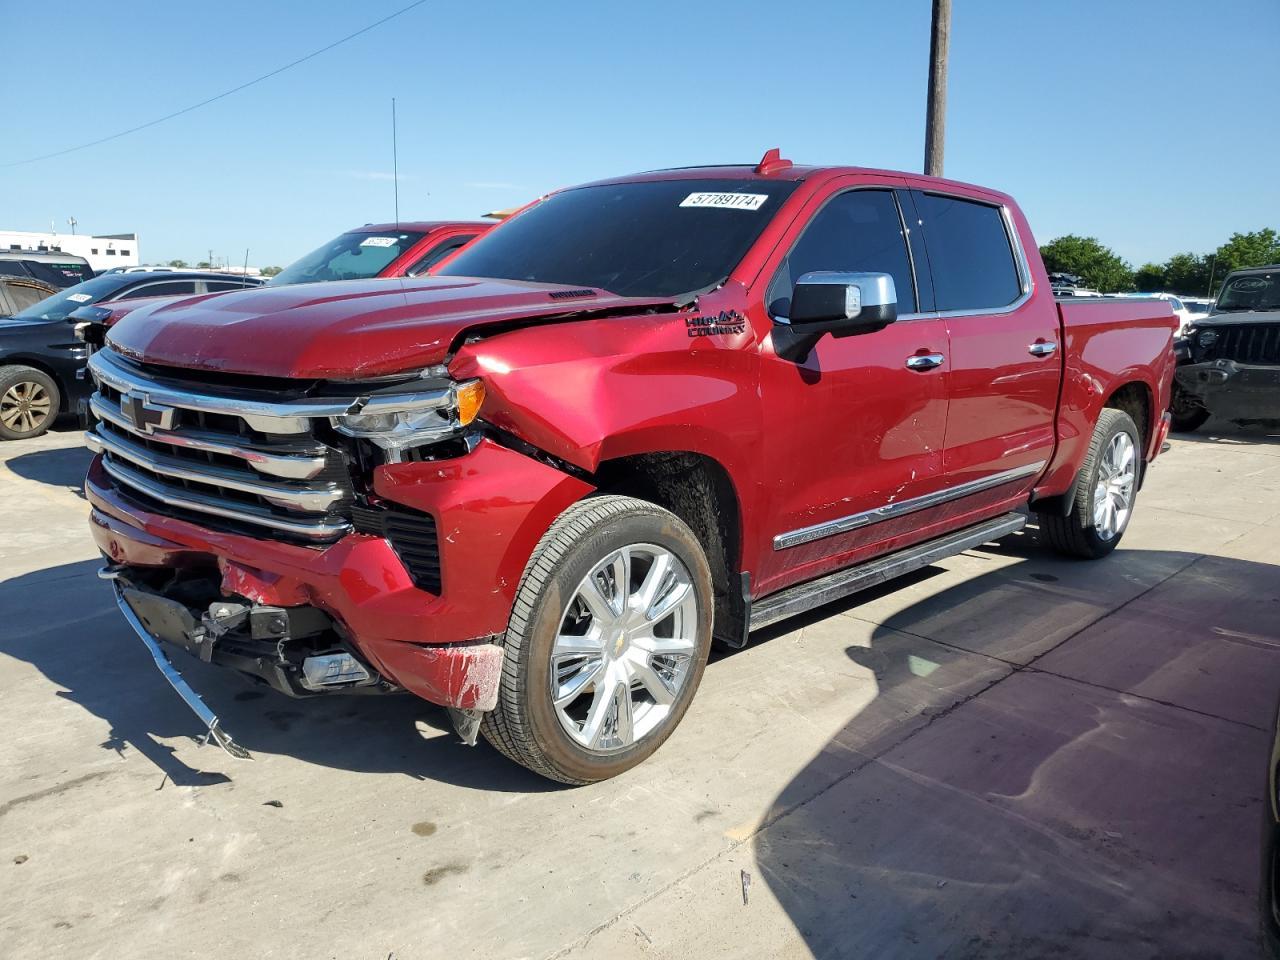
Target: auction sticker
point(80, 298)
point(727, 201)
point(378, 242)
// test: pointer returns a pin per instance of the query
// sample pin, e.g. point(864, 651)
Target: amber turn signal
point(469, 396)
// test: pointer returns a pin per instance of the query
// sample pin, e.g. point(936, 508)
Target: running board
point(814, 593)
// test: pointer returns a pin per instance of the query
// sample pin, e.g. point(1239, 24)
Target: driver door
point(851, 429)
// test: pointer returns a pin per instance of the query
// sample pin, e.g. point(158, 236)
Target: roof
point(418, 226)
point(42, 256)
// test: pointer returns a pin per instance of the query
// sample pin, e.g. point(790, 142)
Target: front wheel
point(1105, 491)
point(607, 641)
point(1187, 413)
point(29, 402)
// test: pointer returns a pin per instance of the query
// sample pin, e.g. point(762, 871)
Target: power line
point(220, 96)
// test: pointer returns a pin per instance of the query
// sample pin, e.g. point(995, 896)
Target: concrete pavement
point(1007, 755)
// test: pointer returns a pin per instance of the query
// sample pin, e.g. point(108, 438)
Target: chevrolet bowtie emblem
point(145, 415)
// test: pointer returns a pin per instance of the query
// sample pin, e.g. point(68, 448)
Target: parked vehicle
point(1229, 361)
point(406, 249)
point(40, 353)
point(59, 270)
point(18, 293)
point(636, 416)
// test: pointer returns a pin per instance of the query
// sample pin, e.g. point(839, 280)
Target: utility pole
point(936, 121)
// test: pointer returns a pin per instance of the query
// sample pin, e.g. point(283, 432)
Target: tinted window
point(59, 274)
point(215, 286)
point(170, 288)
point(351, 256)
point(856, 232)
point(12, 268)
point(969, 254)
point(438, 253)
point(659, 238)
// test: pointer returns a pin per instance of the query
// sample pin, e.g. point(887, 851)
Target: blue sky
point(1147, 123)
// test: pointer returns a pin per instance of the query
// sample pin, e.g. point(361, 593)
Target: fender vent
point(570, 294)
point(411, 534)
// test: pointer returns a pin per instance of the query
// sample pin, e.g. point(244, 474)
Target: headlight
point(394, 423)
point(1207, 338)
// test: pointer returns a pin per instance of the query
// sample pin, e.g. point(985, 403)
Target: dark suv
point(40, 356)
point(1229, 361)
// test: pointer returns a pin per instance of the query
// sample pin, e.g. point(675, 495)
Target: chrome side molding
point(831, 528)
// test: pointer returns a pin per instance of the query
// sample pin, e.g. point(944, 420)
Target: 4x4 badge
point(145, 415)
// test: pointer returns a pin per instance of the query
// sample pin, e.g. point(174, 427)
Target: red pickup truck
point(640, 416)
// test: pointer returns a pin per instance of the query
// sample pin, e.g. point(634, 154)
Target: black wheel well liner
point(698, 490)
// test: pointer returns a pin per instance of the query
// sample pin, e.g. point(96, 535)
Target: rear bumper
point(490, 506)
point(1233, 391)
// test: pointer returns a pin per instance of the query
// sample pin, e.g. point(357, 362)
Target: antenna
point(395, 162)
point(244, 276)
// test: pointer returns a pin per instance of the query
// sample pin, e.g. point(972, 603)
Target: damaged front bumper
point(1231, 390)
point(210, 719)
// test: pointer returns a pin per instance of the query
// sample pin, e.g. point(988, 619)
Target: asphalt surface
point(1007, 755)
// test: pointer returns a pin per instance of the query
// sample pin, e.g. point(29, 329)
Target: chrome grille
point(193, 453)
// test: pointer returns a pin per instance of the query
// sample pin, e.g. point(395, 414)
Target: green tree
point(204, 264)
point(179, 264)
point(1258, 249)
point(1098, 266)
point(271, 271)
point(1187, 274)
point(1149, 278)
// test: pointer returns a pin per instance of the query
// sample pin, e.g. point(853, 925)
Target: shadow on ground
point(64, 622)
point(1064, 810)
point(59, 467)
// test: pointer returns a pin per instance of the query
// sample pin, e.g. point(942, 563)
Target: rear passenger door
point(1005, 359)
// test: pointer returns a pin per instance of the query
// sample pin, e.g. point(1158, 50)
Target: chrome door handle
point(1042, 348)
point(925, 361)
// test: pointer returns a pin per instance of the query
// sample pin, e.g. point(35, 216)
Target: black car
point(40, 355)
point(55, 268)
point(1229, 361)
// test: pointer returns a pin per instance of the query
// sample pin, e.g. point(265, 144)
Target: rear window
point(351, 256)
point(969, 254)
point(62, 303)
point(59, 274)
point(660, 238)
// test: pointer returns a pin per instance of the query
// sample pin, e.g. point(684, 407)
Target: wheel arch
point(700, 491)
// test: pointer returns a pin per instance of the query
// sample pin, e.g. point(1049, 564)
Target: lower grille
point(413, 537)
point(1248, 343)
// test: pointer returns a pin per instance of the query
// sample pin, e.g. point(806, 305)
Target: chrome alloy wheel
point(1113, 491)
point(624, 648)
point(25, 406)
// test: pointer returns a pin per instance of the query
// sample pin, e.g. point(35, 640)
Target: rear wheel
point(606, 643)
point(1105, 491)
point(29, 402)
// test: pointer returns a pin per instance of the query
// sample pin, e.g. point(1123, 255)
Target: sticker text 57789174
point(725, 201)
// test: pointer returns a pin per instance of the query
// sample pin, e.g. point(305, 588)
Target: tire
point(29, 402)
point(1186, 413)
point(566, 609)
point(1090, 532)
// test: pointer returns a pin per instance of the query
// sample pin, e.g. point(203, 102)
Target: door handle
point(925, 361)
point(1042, 348)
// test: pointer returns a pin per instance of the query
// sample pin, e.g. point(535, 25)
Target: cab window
point(859, 231)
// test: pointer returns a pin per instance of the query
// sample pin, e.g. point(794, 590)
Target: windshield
point(1258, 291)
point(352, 256)
point(658, 238)
point(62, 303)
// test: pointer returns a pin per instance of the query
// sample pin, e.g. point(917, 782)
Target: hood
point(1235, 317)
point(347, 329)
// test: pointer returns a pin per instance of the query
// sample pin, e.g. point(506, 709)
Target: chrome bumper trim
point(192, 699)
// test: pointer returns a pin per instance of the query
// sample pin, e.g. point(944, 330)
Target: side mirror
point(841, 304)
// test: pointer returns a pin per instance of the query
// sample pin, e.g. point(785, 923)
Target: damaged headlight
point(395, 424)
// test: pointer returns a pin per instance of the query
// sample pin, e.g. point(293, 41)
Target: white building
point(110, 250)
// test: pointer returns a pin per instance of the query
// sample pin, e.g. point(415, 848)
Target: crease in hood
point(348, 329)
